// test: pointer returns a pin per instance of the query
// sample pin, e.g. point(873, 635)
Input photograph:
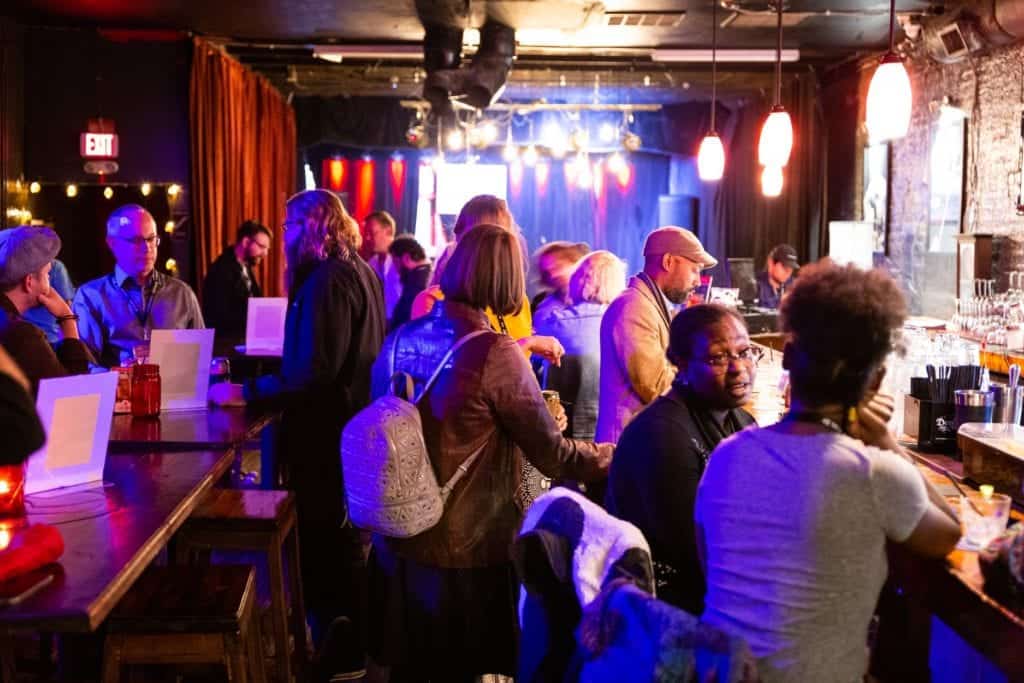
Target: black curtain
point(395, 180)
point(749, 224)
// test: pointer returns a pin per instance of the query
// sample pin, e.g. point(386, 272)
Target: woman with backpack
point(445, 599)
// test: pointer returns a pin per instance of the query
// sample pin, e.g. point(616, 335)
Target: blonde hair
point(600, 276)
point(486, 271)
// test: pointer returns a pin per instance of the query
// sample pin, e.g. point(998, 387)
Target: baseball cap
point(24, 250)
point(785, 254)
point(671, 239)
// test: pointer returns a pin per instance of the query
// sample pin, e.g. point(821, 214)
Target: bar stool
point(264, 521)
point(188, 615)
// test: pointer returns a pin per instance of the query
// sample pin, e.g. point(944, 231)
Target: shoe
point(341, 657)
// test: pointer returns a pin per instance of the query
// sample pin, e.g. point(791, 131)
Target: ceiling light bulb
point(771, 181)
point(71, 190)
point(606, 132)
point(530, 155)
point(169, 226)
point(711, 158)
point(173, 190)
point(146, 189)
point(890, 100)
point(776, 141)
point(108, 192)
point(488, 132)
point(34, 187)
point(454, 140)
point(510, 153)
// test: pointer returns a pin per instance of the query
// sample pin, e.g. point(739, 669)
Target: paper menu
point(264, 326)
point(184, 359)
point(76, 413)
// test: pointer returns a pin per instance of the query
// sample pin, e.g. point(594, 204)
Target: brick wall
point(990, 87)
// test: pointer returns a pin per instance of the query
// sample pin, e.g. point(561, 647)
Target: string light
point(146, 188)
point(530, 155)
point(173, 190)
point(34, 187)
point(454, 140)
point(169, 226)
point(108, 193)
point(71, 190)
point(607, 132)
point(488, 132)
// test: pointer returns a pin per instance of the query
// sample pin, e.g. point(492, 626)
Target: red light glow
point(335, 173)
point(365, 191)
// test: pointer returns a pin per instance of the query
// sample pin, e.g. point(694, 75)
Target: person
point(60, 280)
point(777, 276)
point(597, 280)
point(334, 329)
point(635, 328)
point(555, 262)
point(446, 598)
point(663, 452)
point(26, 257)
point(230, 282)
point(118, 311)
point(379, 231)
point(414, 266)
point(489, 209)
point(794, 518)
point(19, 422)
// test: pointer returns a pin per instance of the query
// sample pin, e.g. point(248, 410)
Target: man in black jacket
point(414, 268)
point(230, 282)
point(663, 451)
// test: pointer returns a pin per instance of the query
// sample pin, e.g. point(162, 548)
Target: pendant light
point(711, 156)
point(889, 95)
point(776, 139)
point(771, 181)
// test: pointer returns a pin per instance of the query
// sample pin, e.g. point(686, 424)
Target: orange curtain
point(243, 159)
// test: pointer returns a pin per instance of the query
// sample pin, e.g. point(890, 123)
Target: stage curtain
point(243, 158)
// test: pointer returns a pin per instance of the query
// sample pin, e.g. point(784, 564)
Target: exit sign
point(98, 145)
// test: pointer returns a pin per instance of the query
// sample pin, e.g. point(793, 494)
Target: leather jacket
point(487, 400)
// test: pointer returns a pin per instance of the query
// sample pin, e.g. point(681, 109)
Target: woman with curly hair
point(794, 518)
point(333, 332)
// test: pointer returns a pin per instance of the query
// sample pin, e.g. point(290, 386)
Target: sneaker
point(341, 657)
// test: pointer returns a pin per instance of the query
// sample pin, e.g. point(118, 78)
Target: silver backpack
point(389, 481)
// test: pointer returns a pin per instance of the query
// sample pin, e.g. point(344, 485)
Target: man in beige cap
point(26, 256)
point(635, 328)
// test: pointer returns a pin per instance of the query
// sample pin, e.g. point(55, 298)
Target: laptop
point(264, 326)
point(76, 413)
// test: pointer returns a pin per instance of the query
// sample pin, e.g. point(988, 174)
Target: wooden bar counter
point(210, 429)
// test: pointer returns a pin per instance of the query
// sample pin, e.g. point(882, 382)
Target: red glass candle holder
point(146, 390)
point(12, 491)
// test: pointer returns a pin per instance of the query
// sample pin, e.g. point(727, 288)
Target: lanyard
point(147, 302)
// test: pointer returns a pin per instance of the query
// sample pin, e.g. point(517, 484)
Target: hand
point(54, 303)
point(548, 348)
point(872, 422)
point(226, 394)
point(561, 419)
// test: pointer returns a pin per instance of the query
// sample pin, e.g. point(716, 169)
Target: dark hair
point(486, 271)
point(384, 218)
point(841, 323)
point(250, 228)
point(483, 208)
point(407, 244)
point(693, 321)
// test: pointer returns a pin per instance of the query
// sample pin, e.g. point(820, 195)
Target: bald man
point(117, 312)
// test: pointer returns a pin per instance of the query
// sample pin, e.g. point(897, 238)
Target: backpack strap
point(444, 361)
point(460, 472)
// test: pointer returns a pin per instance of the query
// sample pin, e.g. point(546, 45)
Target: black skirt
point(438, 624)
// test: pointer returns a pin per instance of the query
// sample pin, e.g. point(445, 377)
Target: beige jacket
point(634, 369)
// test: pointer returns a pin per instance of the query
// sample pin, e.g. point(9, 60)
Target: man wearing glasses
point(663, 451)
point(118, 311)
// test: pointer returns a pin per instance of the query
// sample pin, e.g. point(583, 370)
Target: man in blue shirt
point(118, 311)
point(777, 276)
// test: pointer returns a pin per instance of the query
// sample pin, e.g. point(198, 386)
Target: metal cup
point(1007, 403)
point(972, 405)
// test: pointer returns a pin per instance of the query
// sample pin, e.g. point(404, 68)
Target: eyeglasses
point(749, 356)
point(151, 242)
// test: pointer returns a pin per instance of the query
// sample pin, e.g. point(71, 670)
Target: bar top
point(213, 428)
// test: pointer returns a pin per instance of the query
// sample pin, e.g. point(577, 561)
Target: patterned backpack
point(389, 481)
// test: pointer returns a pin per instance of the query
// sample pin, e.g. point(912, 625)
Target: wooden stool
point(188, 615)
point(247, 519)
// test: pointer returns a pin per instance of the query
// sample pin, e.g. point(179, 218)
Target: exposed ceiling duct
point(972, 26)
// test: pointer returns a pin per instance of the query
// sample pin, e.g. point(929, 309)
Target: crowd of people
point(775, 534)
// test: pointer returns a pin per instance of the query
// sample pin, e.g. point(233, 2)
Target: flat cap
point(671, 239)
point(24, 250)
